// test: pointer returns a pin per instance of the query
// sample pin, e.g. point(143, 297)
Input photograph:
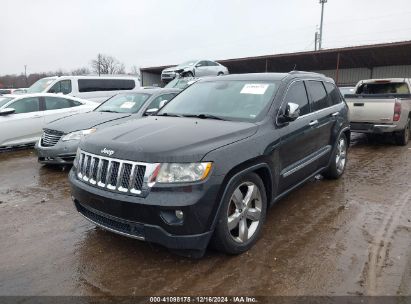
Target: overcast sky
point(51, 34)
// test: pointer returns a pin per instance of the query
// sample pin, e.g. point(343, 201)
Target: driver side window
point(26, 105)
point(63, 86)
point(297, 94)
point(202, 64)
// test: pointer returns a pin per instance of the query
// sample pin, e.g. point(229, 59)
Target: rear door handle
point(358, 104)
point(313, 123)
point(37, 116)
point(335, 114)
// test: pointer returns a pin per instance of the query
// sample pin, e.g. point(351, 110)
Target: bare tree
point(105, 64)
point(80, 71)
point(135, 70)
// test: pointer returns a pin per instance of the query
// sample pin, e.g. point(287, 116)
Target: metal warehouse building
point(346, 65)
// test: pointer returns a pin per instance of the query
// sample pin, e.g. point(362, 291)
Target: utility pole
point(321, 24)
point(25, 74)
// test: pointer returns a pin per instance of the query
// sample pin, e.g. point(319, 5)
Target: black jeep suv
point(211, 162)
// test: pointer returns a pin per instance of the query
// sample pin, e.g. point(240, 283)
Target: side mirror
point(198, 65)
point(163, 103)
point(292, 112)
point(150, 112)
point(7, 111)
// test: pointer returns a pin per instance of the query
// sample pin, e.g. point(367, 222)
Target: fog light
point(179, 214)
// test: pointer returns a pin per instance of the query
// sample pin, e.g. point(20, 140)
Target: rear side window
point(384, 88)
point(318, 95)
point(63, 86)
point(55, 103)
point(95, 85)
point(333, 93)
point(297, 94)
point(26, 105)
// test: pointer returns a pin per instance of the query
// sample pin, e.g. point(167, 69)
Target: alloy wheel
point(244, 212)
point(341, 155)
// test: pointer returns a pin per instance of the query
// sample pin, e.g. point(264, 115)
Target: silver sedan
point(194, 68)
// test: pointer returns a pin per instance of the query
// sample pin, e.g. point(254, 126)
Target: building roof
point(396, 53)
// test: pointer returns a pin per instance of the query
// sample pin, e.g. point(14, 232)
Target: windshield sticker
point(127, 105)
point(254, 88)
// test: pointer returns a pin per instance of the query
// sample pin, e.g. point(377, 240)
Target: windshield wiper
point(204, 116)
point(109, 111)
point(169, 114)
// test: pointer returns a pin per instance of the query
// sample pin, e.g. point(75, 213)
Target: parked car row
point(202, 160)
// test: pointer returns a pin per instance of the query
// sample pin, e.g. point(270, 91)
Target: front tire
point(338, 160)
point(188, 74)
point(402, 137)
point(241, 216)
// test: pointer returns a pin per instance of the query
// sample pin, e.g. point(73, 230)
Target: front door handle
point(313, 123)
point(37, 116)
point(335, 114)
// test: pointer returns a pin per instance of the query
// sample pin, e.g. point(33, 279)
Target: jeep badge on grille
point(108, 152)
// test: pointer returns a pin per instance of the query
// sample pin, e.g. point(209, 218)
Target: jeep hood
point(167, 139)
point(86, 121)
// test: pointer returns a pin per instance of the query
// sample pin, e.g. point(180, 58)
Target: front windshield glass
point(40, 85)
point(124, 103)
point(191, 62)
point(228, 99)
point(4, 100)
point(181, 83)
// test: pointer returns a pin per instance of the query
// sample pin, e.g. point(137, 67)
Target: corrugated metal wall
point(348, 76)
point(150, 79)
point(345, 76)
point(392, 71)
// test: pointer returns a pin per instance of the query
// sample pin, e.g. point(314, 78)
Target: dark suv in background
point(212, 161)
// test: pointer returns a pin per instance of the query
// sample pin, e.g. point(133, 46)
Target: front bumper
point(152, 218)
point(372, 128)
point(62, 153)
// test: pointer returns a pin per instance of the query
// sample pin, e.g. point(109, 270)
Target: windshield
point(4, 100)
point(181, 83)
point(191, 62)
point(40, 85)
point(124, 103)
point(230, 100)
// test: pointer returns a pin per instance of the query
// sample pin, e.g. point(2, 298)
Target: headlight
point(78, 134)
point(182, 172)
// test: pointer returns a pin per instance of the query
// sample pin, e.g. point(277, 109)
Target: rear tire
point(402, 137)
point(241, 215)
point(338, 159)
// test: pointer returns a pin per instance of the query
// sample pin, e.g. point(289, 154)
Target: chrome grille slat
point(127, 177)
point(50, 138)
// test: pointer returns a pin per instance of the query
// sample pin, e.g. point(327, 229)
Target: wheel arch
point(260, 166)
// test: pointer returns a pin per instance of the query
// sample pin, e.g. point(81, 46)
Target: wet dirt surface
point(346, 237)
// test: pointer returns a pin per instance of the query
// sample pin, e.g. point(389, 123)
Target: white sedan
point(22, 117)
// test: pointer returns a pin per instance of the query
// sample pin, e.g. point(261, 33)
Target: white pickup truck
point(382, 106)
